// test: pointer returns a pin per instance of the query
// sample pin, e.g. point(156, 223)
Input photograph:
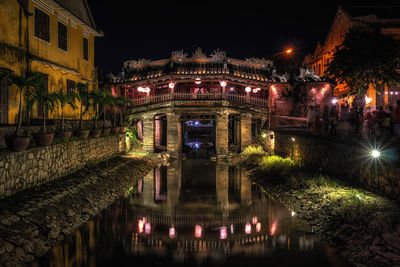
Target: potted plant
point(95, 96)
point(64, 99)
point(120, 102)
point(18, 141)
point(47, 102)
point(113, 104)
point(84, 99)
point(105, 99)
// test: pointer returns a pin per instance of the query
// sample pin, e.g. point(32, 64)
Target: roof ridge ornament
point(218, 56)
point(198, 55)
point(135, 64)
point(178, 56)
point(261, 63)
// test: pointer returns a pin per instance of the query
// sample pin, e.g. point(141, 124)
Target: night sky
point(152, 30)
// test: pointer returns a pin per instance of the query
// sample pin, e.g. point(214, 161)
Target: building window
point(45, 80)
point(42, 25)
point(3, 102)
point(85, 48)
point(62, 36)
point(70, 86)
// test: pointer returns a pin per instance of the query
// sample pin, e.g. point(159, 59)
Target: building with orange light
point(343, 21)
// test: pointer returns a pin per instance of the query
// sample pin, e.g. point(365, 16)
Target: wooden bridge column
point(148, 134)
point(245, 129)
point(221, 134)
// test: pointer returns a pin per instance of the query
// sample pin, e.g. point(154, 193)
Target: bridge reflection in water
point(193, 212)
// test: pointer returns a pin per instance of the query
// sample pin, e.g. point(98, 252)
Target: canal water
point(193, 213)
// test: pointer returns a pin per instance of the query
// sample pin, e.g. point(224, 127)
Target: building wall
point(17, 32)
point(26, 169)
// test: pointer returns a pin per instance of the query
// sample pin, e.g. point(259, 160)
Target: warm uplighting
point(172, 233)
point(293, 213)
point(368, 100)
point(247, 228)
point(248, 89)
point(197, 231)
point(197, 81)
point(258, 227)
point(273, 228)
point(264, 135)
point(140, 226)
point(273, 89)
point(293, 139)
point(171, 85)
point(222, 83)
point(222, 233)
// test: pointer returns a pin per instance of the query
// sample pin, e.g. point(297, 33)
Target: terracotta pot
point(64, 134)
point(122, 129)
point(43, 139)
point(115, 130)
point(17, 143)
point(95, 132)
point(83, 134)
point(106, 131)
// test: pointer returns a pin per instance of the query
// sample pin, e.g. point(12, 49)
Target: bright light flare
point(375, 153)
point(247, 228)
point(197, 231)
point(289, 51)
point(248, 89)
point(334, 101)
point(172, 232)
point(223, 233)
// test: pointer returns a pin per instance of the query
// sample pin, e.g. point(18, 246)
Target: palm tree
point(84, 98)
point(45, 100)
point(106, 99)
point(68, 98)
point(120, 103)
point(22, 82)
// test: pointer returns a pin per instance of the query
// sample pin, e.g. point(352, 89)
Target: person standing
point(310, 118)
point(333, 120)
point(325, 119)
point(396, 120)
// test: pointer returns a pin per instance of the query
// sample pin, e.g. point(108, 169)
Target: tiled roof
point(189, 69)
point(80, 9)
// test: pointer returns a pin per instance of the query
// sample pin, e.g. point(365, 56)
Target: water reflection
point(192, 212)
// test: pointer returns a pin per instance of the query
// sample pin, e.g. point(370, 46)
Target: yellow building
point(53, 37)
point(345, 19)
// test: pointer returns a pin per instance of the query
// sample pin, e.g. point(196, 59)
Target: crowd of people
point(355, 122)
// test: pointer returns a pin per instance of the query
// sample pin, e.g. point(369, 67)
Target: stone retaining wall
point(349, 161)
point(26, 169)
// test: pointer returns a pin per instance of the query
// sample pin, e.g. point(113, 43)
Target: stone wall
point(349, 161)
point(26, 169)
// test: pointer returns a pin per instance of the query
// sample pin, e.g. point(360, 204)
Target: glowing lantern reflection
point(254, 220)
point(273, 228)
point(140, 226)
point(248, 89)
point(232, 228)
point(147, 228)
point(247, 228)
point(172, 232)
point(258, 227)
point(197, 231)
point(222, 232)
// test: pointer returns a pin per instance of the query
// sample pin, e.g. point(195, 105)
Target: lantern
point(248, 89)
point(222, 232)
point(222, 83)
point(247, 228)
point(197, 231)
point(197, 81)
point(171, 85)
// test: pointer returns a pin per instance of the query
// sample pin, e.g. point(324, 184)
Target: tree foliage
point(365, 57)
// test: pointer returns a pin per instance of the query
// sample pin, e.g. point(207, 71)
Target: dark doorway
point(160, 132)
point(234, 132)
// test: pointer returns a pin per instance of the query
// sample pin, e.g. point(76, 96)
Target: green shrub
point(252, 155)
point(276, 168)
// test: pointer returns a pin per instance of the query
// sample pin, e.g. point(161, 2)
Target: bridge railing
point(159, 98)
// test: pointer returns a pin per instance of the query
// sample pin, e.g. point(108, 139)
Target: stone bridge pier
point(228, 129)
